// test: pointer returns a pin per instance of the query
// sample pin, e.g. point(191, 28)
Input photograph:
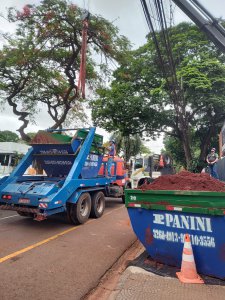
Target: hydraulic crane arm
point(206, 22)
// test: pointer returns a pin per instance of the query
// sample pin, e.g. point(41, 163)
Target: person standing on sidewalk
point(212, 159)
point(111, 154)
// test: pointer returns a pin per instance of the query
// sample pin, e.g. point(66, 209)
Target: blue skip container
point(160, 220)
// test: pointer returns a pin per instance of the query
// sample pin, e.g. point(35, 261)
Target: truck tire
point(97, 205)
point(25, 214)
point(68, 217)
point(144, 180)
point(79, 212)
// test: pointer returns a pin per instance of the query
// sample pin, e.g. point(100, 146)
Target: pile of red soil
point(186, 181)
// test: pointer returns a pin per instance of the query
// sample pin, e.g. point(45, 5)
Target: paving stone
point(136, 283)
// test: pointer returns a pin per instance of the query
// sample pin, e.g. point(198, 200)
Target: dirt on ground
point(186, 181)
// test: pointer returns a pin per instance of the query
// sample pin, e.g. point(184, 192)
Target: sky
point(128, 16)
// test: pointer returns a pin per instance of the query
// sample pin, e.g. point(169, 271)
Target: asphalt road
point(54, 260)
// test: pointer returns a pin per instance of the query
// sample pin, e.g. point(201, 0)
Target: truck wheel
point(68, 209)
point(80, 211)
point(97, 204)
point(145, 180)
point(25, 214)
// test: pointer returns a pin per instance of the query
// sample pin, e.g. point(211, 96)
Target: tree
point(8, 136)
point(40, 63)
point(129, 145)
point(190, 107)
point(145, 150)
point(16, 73)
point(173, 147)
point(31, 135)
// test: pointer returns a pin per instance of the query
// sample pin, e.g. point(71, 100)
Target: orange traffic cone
point(188, 272)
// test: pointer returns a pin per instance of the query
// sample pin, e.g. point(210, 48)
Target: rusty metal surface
point(18, 208)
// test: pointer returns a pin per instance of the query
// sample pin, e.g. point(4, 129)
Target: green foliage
point(190, 108)
point(41, 61)
point(31, 134)
point(128, 146)
point(120, 108)
point(145, 150)
point(8, 136)
point(173, 147)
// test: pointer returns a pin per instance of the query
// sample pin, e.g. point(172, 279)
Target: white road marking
point(54, 237)
point(9, 217)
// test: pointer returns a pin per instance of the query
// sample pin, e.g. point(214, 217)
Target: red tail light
point(7, 197)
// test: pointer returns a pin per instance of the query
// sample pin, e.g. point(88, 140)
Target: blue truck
point(70, 181)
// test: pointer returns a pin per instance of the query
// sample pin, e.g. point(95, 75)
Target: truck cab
point(145, 168)
point(120, 173)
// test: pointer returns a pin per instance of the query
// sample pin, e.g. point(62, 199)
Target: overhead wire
point(154, 18)
point(162, 27)
point(153, 33)
point(171, 10)
point(163, 47)
point(175, 89)
point(166, 36)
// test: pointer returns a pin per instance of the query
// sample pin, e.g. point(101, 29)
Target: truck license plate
point(24, 200)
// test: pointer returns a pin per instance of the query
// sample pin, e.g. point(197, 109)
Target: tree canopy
point(8, 136)
point(129, 145)
point(142, 99)
point(40, 62)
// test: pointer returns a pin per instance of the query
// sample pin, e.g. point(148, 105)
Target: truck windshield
point(138, 163)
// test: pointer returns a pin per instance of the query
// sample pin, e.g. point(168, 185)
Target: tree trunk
point(22, 117)
point(184, 135)
point(187, 151)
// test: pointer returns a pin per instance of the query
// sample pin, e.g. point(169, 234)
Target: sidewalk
point(135, 276)
point(145, 279)
point(136, 283)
